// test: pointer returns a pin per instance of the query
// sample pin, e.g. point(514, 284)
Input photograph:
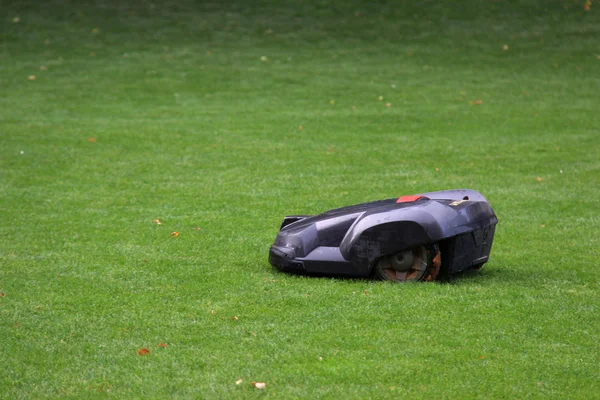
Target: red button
point(410, 199)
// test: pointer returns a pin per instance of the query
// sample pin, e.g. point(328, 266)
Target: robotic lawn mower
point(412, 238)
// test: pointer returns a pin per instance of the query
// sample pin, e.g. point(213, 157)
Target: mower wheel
point(420, 263)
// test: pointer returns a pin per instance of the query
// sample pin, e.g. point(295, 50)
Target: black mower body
point(348, 241)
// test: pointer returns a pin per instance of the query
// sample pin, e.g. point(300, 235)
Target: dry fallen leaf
point(92, 54)
point(31, 77)
point(95, 30)
point(213, 312)
point(238, 381)
point(162, 345)
point(476, 102)
point(366, 292)
point(354, 107)
point(388, 104)
point(143, 351)
point(234, 318)
point(2, 295)
point(157, 221)
point(437, 170)
point(43, 68)
point(300, 127)
point(588, 5)
point(505, 47)
point(539, 179)
point(259, 385)
point(332, 102)
point(174, 234)
point(196, 229)
point(92, 140)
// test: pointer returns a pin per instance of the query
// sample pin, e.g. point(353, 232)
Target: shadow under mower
point(412, 238)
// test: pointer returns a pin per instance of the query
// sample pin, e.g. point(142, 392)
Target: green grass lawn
point(218, 120)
